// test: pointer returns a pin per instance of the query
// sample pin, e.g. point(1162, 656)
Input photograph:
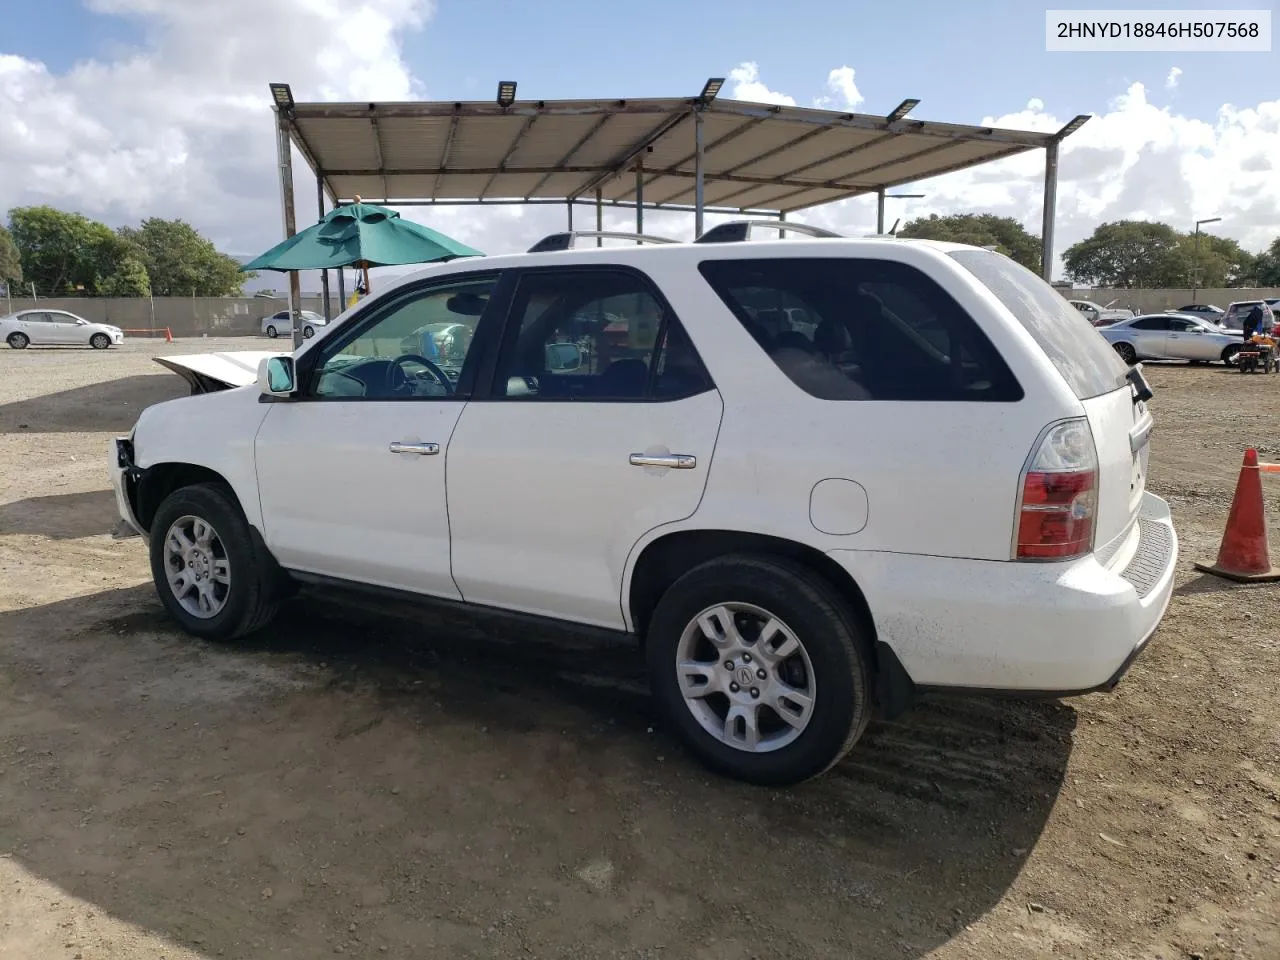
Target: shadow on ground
point(63, 516)
point(361, 777)
point(110, 406)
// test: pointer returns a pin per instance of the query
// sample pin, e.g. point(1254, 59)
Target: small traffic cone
point(168, 335)
point(1245, 556)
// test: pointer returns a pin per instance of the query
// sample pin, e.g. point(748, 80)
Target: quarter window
point(861, 329)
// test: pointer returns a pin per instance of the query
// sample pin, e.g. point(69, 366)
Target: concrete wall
point(1157, 301)
point(185, 316)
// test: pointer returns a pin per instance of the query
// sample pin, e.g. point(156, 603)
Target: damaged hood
point(207, 372)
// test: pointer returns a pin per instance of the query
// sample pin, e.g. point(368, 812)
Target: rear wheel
point(761, 668)
point(18, 341)
point(99, 341)
point(272, 332)
point(1230, 353)
point(1127, 353)
point(209, 572)
point(308, 332)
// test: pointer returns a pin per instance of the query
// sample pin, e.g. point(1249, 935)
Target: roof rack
point(737, 231)
point(565, 241)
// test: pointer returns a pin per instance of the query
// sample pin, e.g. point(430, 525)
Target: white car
point(40, 326)
point(281, 324)
point(1101, 316)
point(1173, 336)
point(940, 487)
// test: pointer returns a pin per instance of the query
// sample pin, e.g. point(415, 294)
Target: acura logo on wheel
point(744, 676)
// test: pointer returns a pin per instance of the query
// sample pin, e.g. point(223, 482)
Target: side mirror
point(563, 357)
point(276, 376)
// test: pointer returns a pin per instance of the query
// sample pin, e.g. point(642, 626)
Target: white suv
point(925, 471)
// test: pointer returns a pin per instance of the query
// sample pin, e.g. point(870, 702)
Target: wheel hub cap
point(746, 677)
point(197, 567)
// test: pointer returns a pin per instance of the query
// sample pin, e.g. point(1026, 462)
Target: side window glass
point(859, 329)
point(414, 348)
point(598, 335)
point(1152, 323)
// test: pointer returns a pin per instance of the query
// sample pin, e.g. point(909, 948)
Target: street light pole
point(1195, 257)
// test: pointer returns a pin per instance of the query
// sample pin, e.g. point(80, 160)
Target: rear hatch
point(1113, 400)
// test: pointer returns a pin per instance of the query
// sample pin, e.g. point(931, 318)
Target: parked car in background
point(1207, 311)
point(56, 327)
point(1173, 336)
point(1274, 304)
point(709, 485)
point(280, 324)
point(1101, 316)
point(1236, 312)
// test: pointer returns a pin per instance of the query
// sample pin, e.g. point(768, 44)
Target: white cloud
point(180, 127)
point(844, 93)
point(1171, 81)
point(747, 86)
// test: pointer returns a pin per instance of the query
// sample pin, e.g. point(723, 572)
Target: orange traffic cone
point(1245, 556)
point(168, 335)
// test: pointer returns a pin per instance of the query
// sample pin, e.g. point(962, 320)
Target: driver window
point(414, 348)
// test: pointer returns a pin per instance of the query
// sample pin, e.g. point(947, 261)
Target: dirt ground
point(375, 782)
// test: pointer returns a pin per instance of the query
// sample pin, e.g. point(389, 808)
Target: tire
point(1127, 353)
point(831, 664)
point(99, 341)
point(18, 341)
point(247, 599)
point(1229, 354)
point(308, 332)
point(272, 332)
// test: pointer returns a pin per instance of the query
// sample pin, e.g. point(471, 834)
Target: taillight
point(1058, 504)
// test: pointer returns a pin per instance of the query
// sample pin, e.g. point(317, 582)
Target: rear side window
point(1083, 356)
point(862, 329)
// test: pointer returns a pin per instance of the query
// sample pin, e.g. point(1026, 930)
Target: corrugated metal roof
point(754, 155)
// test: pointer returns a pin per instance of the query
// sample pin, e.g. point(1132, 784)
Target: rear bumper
point(1048, 629)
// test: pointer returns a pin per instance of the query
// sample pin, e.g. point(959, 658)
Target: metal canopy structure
point(698, 153)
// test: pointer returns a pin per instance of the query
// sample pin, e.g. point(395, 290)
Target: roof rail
point(565, 241)
point(736, 231)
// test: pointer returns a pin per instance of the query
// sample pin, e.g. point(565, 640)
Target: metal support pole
point(324, 274)
point(782, 218)
point(599, 215)
point(569, 207)
point(639, 197)
point(1195, 265)
point(1050, 207)
point(880, 210)
point(698, 197)
point(285, 153)
point(342, 290)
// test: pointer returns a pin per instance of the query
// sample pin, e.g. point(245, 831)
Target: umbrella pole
point(365, 266)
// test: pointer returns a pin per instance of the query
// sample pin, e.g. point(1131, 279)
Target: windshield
point(1084, 358)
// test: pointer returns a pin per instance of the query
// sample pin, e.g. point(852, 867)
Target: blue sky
point(573, 48)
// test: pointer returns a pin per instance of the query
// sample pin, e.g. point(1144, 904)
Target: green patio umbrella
point(361, 235)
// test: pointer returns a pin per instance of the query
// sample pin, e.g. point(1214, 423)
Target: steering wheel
point(397, 379)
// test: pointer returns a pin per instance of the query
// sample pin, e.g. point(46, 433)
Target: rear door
point(38, 327)
point(600, 425)
point(1149, 335)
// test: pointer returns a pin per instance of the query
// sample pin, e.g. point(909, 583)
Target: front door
point(1189, 340)
point(352, 474)
point(600, 426)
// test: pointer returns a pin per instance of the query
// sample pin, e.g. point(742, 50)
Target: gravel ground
point(371, 781)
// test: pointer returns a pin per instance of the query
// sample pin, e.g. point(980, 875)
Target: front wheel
point(308, 332)
point(1127, 353)
point(210, 574)
point(99, 341)
point(18, 341)
point(761, 668)
point(1230, 355)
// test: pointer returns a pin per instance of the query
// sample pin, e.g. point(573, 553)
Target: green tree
point(1129, 253)
point(182, 263)
point(129, 279)
point(1220, 262)
point(1267, 265)
point(10, 259)
point(64, 253)
point(981, 230)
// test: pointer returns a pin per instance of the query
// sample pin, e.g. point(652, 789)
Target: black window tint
point(845, 329)
point(1151, 323)
point(1178, 325)
point(595, 335)
point(1082, 355)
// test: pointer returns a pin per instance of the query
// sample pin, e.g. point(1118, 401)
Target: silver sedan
point(1173, 336)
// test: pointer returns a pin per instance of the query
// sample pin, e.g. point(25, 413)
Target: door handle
point(421, 449)
point(676, 461)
